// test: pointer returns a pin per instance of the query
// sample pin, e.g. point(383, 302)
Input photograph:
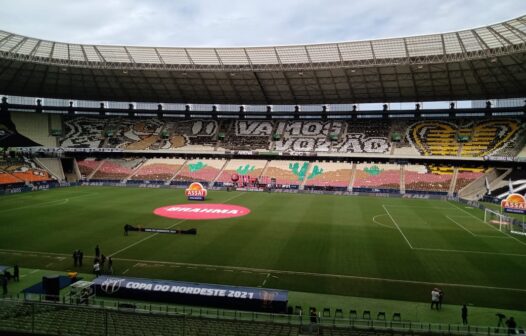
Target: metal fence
point(106, 317)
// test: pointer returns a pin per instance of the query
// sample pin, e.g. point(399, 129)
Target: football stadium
point(372, 187)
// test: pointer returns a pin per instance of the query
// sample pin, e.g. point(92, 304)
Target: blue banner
point(220, 296)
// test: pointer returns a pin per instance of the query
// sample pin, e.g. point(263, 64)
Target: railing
point(105, 316)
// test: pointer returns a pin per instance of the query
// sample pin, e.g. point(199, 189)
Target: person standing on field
point(435, 297)
point(16, 273)
point(464, 313)
point(440, 298)
point(75, 258)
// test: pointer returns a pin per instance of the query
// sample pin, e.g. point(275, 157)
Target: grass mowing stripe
point(144, 239)
point(394, 222)
point(169, 227)
point(321, 275)
point(468, 251)
point(46, 204)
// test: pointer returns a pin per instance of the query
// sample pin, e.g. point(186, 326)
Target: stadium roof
point(481, 63)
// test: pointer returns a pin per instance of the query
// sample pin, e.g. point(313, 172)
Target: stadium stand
point(36, 127)
point(158, 169)
point(199, 170)
point(53, 166)
point(329, 174)
point(83, 132)
point(24, 169)
point(427, 178)
point(466, 176)
point(245, 134)
point(252, 168)
point(116, 169)
point(377, 176)
point(88, 166)
point(6, 178)
point(133, 134)
point(288, 173)
point(501, 137)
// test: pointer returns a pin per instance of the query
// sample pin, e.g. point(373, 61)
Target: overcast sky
point(245, 22)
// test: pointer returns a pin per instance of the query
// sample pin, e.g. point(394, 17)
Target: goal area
point(504, 223)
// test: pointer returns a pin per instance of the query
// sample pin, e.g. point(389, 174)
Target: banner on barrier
point(221, 296)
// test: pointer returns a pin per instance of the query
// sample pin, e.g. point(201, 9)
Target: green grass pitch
point(376, 247)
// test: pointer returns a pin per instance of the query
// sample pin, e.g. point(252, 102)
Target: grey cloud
point(246, 23)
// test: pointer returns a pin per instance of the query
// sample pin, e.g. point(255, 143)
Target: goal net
point(502, 222)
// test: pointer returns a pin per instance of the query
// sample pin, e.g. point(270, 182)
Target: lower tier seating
point(380, 176)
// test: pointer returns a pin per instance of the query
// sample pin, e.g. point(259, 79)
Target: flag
point(488, 190)
point(510, 185)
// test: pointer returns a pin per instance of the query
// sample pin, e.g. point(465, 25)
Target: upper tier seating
point(481, 137)
point(329, 174)
point(158, 169)
point(35, 127)
point(198, 170)
point(83, 132)
point(116, 169)
point(427, 178)
point(378, 176)
point(287, 172)
point(500, 137)
point(133, 134)
point(252, 168)
point(246, 134)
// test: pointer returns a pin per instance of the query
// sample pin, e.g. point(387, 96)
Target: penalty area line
point(396, 224)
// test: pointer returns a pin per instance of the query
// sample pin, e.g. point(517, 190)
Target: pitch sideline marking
point(472, 215)
point(394, 222)
point(155, 234)
point(381, 224)
point(329, 275)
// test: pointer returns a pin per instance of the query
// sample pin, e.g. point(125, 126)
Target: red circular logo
point(201, 211)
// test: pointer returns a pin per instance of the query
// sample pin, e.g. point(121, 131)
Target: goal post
point(502, 222)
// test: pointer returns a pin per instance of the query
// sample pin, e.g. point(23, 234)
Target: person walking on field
point(464, 313)
point(81, 256)
point(16, 273)
point(97, 251)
